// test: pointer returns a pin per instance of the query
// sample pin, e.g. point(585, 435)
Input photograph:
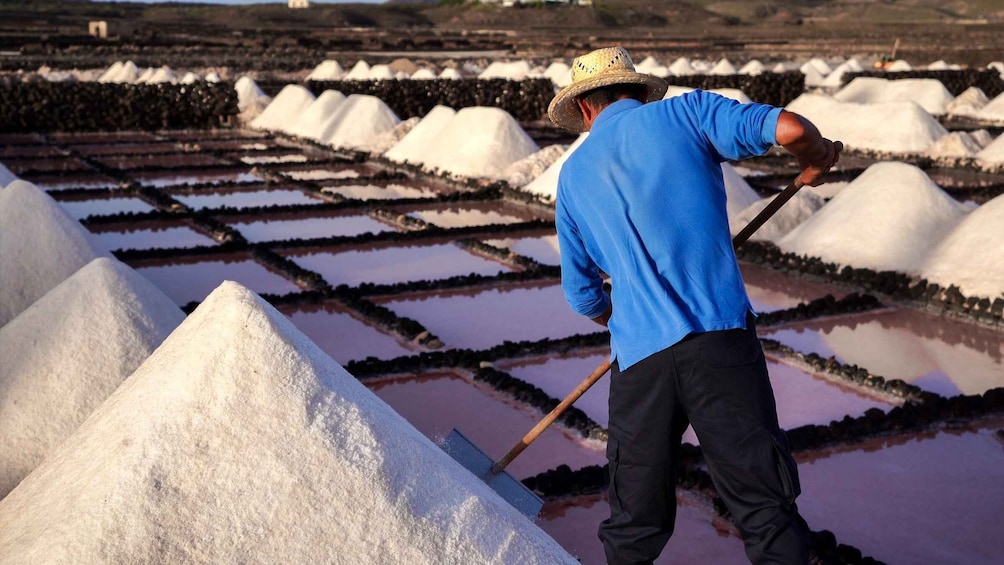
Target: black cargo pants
point(716, 381)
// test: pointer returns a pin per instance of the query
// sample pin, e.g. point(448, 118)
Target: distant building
point(512, 3)
point(98, 29)
point(299, 3)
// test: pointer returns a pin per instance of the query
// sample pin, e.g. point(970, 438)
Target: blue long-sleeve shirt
point(643, 200)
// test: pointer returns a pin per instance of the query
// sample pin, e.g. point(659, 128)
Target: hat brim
point(564, 112)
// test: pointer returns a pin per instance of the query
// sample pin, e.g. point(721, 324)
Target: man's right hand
point(812, 173)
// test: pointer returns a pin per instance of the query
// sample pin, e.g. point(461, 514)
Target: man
point(643, 200)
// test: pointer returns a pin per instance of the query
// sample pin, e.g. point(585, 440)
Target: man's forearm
point(801, 138)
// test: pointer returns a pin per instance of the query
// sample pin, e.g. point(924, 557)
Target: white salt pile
point(738, 193)
point(384, 141)
point(835, 78)
point(49, 247)
point(313, 117)
point(993, 111)
point(515, 70)
point(527, 169)
point(681, 67)
point(652, 67)
point(886, 219)
point(971, 256)
point(423, 138)
point(6, 177)
point(213, 77)
point(795, 211)
point(818, 65)
point(145, 75)
point(162, 75)
point(327, 70)
point(930, 94)
point(968, 103)
point(546, 185)
point(189, 78)
point(359, 71)
point(240, 438)
point(753, 67)
point(68, 352)
point(559, 73)
point(723, 67)
point(992, 156)
point(450, 74)
point(733, 93)
point(251, 100)
point(480, 141)
point(357, 121)
point(942, 65)
point(894, 127)
point(899, 65)
point(380, 72)
point(955, 144)
point(423, 74)
point(285, 108)
point(120, 72)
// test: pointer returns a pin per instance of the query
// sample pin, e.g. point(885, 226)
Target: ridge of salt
point(480, 141)
point(894, 127)
point(384, 141)
point(41, 246)
point(968, 103)
point(546, 185)
point(971, 255)
point(420, 139)
point(285, 108)
point(929, 94)
point(329, 69)
point(312, 119)
point(525, 170)
point(359, 71)
point(992, 154)
point(68, 352)
point(239, 437)
point(886, 219)
point(357, 121)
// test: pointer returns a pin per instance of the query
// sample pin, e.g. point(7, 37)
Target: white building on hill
point(299, 3)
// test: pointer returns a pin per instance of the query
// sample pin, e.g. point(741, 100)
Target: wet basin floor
point(185, 282)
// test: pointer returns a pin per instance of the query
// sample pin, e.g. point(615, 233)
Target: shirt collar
point(614, 109)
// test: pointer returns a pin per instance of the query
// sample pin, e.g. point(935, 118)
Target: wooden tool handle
point(551, 417)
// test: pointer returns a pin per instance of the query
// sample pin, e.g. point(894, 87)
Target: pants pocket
point(787, 468)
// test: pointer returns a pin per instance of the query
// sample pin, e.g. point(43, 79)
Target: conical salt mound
point(357, 121)
point(6, 177)
point(992, 156)
point(930, 94)
point(993, 111)
point(955, 144)
point(795, 211)
point(738, 193)
point(40, 246)
point(312, 119)
point(68, 352)
point(359, 71)
point(546, 184)
point(423, 138)
point(327, 70)
point(480, 142)
point(111, 72)
point(969, 102)
point(559, 73)
point(285, 108)
point(886, 219)
point(894, 127)
point(381, 143)
point(515, 70)
point(971, 256)
point(752, 68)
point(817, 64)
point(722, 67)
point(248, 93)
point(240, 440)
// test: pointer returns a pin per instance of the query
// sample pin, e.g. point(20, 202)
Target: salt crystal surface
point(250, 96)
point(422, 138)
point(993, 154)
point(929, 94)
point(722, 67)
point(971, 256)
point(955, 144)
point(239, 437)
point(525, 170)
point(993, 111)
point(733, 93)
point(753, 68)
point(423, 74)
point(285, 108)
point(189, 78)
point(356, 121)
point(381, 143)
point(968, 103)
point(450, 74)
point(480, 141)
point(681, 67)
point(793, 213)
point(546, 185)
point(886, 219)
point(559, 73)
point(818, 65)
point(359, 71)
point(812, 77)
point(313, 117)
point(49, 247)
point(895, 127)
point(68, 352)
point(327, 70)
point(380, 72)
point(515, 70)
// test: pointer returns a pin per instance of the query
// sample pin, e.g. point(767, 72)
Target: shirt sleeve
point(580, 277)
point(736, 131)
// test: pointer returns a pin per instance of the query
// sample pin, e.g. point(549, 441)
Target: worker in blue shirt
point(642, 200)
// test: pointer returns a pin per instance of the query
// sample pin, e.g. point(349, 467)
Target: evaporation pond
point(698, 538)
point(188, 281)
point(287, 158)
point(482, 319)
point(801, 398)
point(932, 498)
point(542, 249)
point(390, 191)
point(80, 209)
point(771, 290)
point(462, 217)
point(388, 265)
point(326, 174)
point(436, 404)
point(937, 354)
point(159, 161)
point(246, 198)
point(152, 236)
point(343, 336)
point(86, 181)
point(160, 180)
point(93, 149)
point(309, 228)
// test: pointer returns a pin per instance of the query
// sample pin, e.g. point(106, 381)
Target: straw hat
point(603, 67)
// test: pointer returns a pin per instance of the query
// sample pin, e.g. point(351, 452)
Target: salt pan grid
point(510, 322)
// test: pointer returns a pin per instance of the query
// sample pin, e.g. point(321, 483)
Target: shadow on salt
point(343, 336)
point(801, 398)
point(278, 196)
point(389, 265)
point(937, 354)
point(438, 403)
point(193, 279)
point(933, 497)
point(161, 180)
point(771, 290)
point(480, 319)
point(543, 249)
point(153, 235)
point(283, 227)
point(81, 209)
point(699, 536)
